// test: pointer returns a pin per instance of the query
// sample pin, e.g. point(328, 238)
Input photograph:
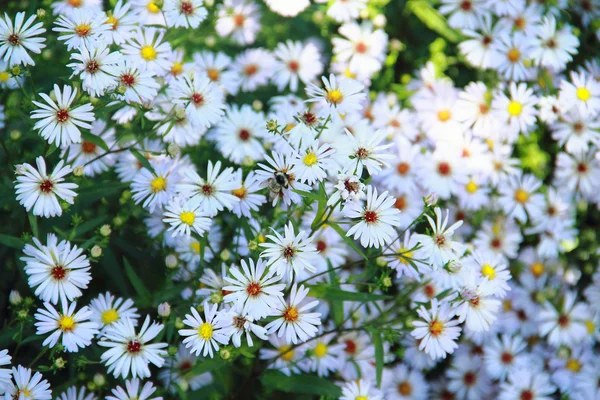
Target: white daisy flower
point(236, 324)
point(59, 122)
point(148, 51)
point(289, 253)
point(361, 47)
point(73, 394)
point(359, 390)
point(240, 134)
point(122, 22)
point(74, 327)
point(294, 322)
point(565, 325)
point(134, 391)
point(57, 271)
point(246, 192)
point(344, 10)
point(287, 8)
point(108, 309)
point(215, 66)
point(576, 130)
point(503, 355)
point(514, 50)
point(437, 330)
point(367, 151)
point(554, 48)
point(254, 287)
point(476, 305)
point(439, 248)
point(519, 199)
point(203, 100)
point(406, 384)
point(339, 97)
point(280, 178)
point(92, 157)
point(582, 92)
point(348, 188)
point(67, 7)
point(37, 189)
point(27, 387)
point(184, 13)
point(325, 356)
point(81, 28)
point(239, 19)
point(376, 219)
point(19, 38)
point(254, 67)
point(517, 111)
point(207, 333)
point(130, 352)
point(97, 68)
point(184, 217)
point(296, 62)
point(155, 189)
point(5, 373)
point(313, 161)
point(139, 87)
point(527, 383)
point(212, 194)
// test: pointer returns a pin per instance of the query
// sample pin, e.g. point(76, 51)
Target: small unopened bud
point(178, 323)
point(78, 170)
point(15, 135)
point(15, 70)
point(19, 169)
point(172, 350)
point(252, 245)
point(431, 199)
point(386, 282)
point(91, 386)
point(225, 255)
point(180, 113)
point(364, 13)
point(183, 385)
point(121, 89)
point(60, 363)
point(171, 261)
point(247, 161)
point(396, 45)
point(15, 297)
point(209, 3)
point(99, 380)
point(105, 230)
point(210, 41)
point(164, 309)
point(216, 297)
point(22, 314)
point(318, 17)
point(272, 125)
point(173, 150)
point(381, 262)
point(225, 354)
point(379, 21)
point(47, 54)
point(96, 251)
point(257, 105)
point(41, 14)
point(117, 221)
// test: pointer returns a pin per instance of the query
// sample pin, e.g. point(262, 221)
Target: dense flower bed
point(355, 199)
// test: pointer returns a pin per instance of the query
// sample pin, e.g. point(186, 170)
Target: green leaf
point(138, 285)
point(347, 239)
point(11, 241)
point(206, 366)
point(329, 292)
point(432, 19)
point(111, 267)
point(300, 384)
point(143, 160)
point(378, 343)
point(87, 226)
point(97, 140)
point(51, 149)
point(33, 224)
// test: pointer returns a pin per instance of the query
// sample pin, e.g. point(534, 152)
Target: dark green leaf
point(328, 292)
point(300, 384)
point(11, 241)
point(138, 285)
point(347, 239)
point(378, 343)
point(432, 19)
point(143, 160)
point(206, 365)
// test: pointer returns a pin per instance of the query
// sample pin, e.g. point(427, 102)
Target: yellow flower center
point(513, 55)
point(261, 238)
point(404, 254)
point(591, 327)
point(239, 193)
point(583, 94)
point(537, 269)
point(66, 323)
point(310, 159)
point(205, 331)
point(521, 196)
point(4, 76)
point(177, 68)
point(335, 96)
point(74, 3)
point(405, 388)
point(436, 327)
point(152, 8)
point(291, 314)
point(83, 29)
point(112, 21)
point(195, 247)
point(213, 74)
point(148, 53)
point(574, 365)
point(362, 398)
point(489, 271)
point(287, 354)
point(187, 217)
point(109, 316)
point(349, 74)
point(444, 115)
point(471, 187)
point(320, 350)
point(158, 184)
point(515, 108)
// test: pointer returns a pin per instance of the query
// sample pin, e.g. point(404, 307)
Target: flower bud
point(164, 309)
point(117, 221)
point(225, 354)
point(225, 255)
point(179, 323)
point(257, 105)
point(91, 386)
point(396, 45)
point(386, 282)
point(99, 380)
point(171, 261)
point(105, 230)
point(22, 314)
point(96, 251)
point(381, 262)
point(15, 71)
point(173, 150)
point(172, 350)
point(19, 169)
point(78, 170)
point(210, 41)
point(252, 245)
point(209, 3)
point(15, 135)
point(431, 199)
point(272, 125)
point(121, 89)
point(247, 161)
point(60, 363)
point(183, 385)
point(379, 21)
point(180, 113)
point(41, 14)
point(15, 297)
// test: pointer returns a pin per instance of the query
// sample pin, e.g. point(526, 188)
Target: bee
point(279, 182)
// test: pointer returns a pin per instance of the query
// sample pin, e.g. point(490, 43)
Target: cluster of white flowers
point(344, 232)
